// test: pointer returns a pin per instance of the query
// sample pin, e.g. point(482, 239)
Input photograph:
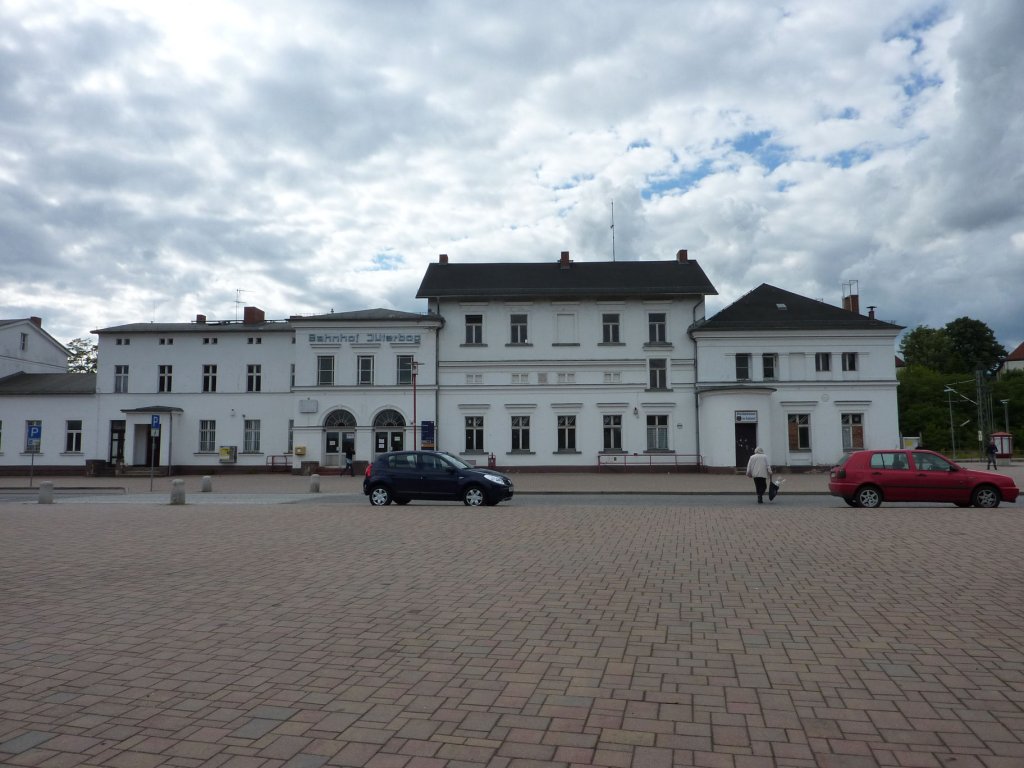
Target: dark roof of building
point(48, 384)
point(767, 308)
point(228, 326)
point(589, 279)
point(378, 315)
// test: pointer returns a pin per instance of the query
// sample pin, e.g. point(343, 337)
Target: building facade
point(558, 365)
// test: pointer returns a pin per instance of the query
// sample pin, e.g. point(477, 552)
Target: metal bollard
point(314, 483)
point(46, 492)
point(177, 491)
point(206, 484)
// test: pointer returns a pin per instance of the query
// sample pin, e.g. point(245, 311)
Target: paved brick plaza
point(304, 635)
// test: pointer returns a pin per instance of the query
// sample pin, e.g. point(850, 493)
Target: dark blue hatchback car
point(401, 476)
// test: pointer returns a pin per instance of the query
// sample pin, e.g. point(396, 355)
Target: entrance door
point(116, 455)
point(332, 449)
point(746, 442)
point(388, 440)
point(146, 450)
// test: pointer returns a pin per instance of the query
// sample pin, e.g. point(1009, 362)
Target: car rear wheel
point(473, 496)
point(380, 496)
point(986, 497)
point(868, 497)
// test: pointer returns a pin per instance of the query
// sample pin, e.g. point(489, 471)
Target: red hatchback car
point(867, 478)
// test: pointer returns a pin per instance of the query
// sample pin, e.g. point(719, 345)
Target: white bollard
point(177, 491)
point(46, 492)
point(206, 484)
point(314, 483)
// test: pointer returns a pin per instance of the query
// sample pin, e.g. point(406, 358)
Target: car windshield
point(459, 463)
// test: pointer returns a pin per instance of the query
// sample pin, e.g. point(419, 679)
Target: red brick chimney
point(36, 321)
point(200, 319)
point(253, 316)
point(564, 262)
point(871, 311)
point(681, 255)
point(443, 259)
point(852, 303)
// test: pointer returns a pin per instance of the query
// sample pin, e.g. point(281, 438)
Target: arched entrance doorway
point(388, 431)
point(339, 436)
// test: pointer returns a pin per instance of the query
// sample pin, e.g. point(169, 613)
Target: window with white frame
point(567, 433)
point(822, 362)
point(24, 342)
point(474, 433)
point(612, 377)
point(658, 373)
point(657, 432)
point(121, 378)
point(209, 377)
point(849, 361)
point(770, 366)
point(610, 328)
point(255, 340)
point(73, 436)
point(251, 436)
point(254, 378)
point(1, 436)
point(474, 329)
point(404, 364)
point(799, 425)
point(365, 368)
point(325, 370)
point(520, 433)
point(656, 328)
point(474, 378)
point(567, 378)
point(207, 435)
point(853, 431)
point(33, 425)
point(520, 378)
point(164, 378)
point(612, 428)
point(743, 367)
point(291, 435)
point(518, 329)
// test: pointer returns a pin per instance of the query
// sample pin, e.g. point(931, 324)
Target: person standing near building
point(759, 469)
point(990, 454)
point(349, 465)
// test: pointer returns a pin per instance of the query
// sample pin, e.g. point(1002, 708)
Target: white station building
point(559, 365)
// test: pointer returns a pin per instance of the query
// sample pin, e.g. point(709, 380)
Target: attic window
point(780, 306)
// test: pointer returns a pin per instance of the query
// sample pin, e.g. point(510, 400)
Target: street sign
point(34, 432)
point(154, 421)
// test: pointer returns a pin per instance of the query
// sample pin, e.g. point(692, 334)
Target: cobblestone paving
point(514, 637)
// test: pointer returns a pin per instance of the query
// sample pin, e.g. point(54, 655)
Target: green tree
point(929, 348)
point(81, 356)
point(923, 406)
point(974, 344)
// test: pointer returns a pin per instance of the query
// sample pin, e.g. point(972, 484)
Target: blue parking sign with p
point(34, 431)
point(154, 421)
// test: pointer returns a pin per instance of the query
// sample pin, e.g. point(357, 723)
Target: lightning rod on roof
point(613, 230)
point(238, 300)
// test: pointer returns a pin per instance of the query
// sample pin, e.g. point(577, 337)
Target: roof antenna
point(238, 301)
point(613, 230)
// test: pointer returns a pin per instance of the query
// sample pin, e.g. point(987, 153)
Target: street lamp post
point(1006, 415)
point(415, 371)
point(952, 432)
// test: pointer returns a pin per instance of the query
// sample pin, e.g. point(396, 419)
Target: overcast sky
point(163, 159)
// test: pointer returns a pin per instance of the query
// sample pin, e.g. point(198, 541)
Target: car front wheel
point(474, 496)
point(986, 497)
point(380, 496)
point(868, 497)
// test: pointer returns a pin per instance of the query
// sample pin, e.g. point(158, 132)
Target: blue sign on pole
point(34, 432)
point(154, 421)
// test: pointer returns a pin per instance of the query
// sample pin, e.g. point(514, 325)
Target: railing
point(650, 461)
point(279, 462)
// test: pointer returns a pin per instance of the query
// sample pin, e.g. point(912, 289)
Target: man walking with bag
point(759, 469)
